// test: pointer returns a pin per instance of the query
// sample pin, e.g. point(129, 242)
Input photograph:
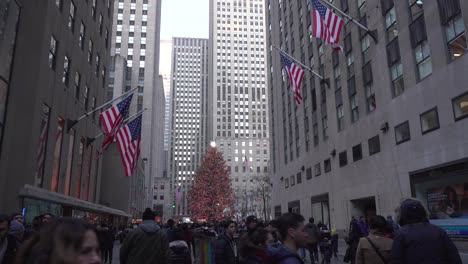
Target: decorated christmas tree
point(211, 196)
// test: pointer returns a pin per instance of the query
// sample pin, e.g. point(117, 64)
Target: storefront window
point(321, 209)
point(444, 191)
point(33, 208)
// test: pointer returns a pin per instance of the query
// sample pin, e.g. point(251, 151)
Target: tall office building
point(238, 117)
point(165, 71)
point(54, 60)
point(136, 34)
point(188, 123)
point(391, 125)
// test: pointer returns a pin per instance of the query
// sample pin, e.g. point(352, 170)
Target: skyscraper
point(238, 117)
point(188, 111)
point(136, 37)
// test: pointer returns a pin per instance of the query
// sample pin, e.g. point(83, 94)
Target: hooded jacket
point(280, 254)
point(145, 245)
point(226, 251)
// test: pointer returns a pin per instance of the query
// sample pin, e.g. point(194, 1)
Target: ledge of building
point(43, 194)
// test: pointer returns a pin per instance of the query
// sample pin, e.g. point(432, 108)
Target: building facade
point(47, 163)
point(237, 98)
point(391, 124)
point(135, 34)
point(188, 122)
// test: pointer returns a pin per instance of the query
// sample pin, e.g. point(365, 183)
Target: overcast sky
point(184, 18)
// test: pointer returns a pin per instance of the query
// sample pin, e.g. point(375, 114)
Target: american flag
point(296, 74)
point(327, 25)
point(113, 117)
point(128, 139)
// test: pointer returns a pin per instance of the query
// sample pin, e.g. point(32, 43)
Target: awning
point(46, 195)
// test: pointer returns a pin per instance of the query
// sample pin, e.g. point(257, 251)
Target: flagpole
point(72, 123)
point(372, 33)
point(326, 81)
point(91, 140)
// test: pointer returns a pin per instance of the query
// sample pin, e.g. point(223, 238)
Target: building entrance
point(363, 207)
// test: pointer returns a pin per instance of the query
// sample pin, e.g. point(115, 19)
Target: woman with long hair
point(62, 241)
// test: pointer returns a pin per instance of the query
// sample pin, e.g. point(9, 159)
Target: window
point(161, 197)
point(42, 146)
point(327, 165)
point(299, 178)
point(429, 121)
point(357, 152)
point(402, 133)
point(93, 9)
point(343, 157)
point(59, 4)
point(292, 180)
point(317, 169)
point(460, 106)
point(66, 70)
point(85, 97)
point(71, 17)
point(77, 85)
point(456, 38)
point(391, 23)
point(52, 52)
point(423, 60)
point(98, 58)
point(448, 10)
point(353, 99)
point(90, 51)
point(101, 20)
point(374, 145)
point(416, 9)
point(396, 68)
point(286, 182)
point(369, 89)
point(81, 38)
point(309, 173)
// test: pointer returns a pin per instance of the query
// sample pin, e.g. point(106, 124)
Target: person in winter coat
point(180, 251)
point(146, 244)
point(226, 246)
point(314, 236)
point(294, 236)
point(419, 242)
point(366, 252)
point(353, 240)
point(253, 250)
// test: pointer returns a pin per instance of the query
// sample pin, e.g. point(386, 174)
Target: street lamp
point(213, 144)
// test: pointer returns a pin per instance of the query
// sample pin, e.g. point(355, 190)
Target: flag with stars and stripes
point(295, 74)
point(128, 140)
point(113, 117)
point(327, 25)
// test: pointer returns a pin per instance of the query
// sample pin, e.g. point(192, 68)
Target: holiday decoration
point(211, 196)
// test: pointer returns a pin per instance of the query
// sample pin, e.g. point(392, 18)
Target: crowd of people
point(408, 239)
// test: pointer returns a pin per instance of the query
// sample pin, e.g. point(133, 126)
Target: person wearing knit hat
point(17, 230)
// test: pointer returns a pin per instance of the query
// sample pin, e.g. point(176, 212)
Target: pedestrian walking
point(376, 248)
point(253, 250)
point(419, 242)
point(8, 244)
point(170, 230)
point(294, 236)
point(226, 251)
point(363, 226)
point(63, 240)
point(325, 249)
point(146, 244)
point(352, 240)
point(314, 236)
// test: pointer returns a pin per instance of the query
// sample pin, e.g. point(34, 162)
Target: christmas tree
point(211, 196)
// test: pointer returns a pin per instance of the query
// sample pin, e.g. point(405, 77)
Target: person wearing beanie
point(418, 241)
point(17, 231)
point(146, 244)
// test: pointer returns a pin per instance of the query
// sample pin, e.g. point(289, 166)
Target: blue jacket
point(423, 243)
point(280, 254)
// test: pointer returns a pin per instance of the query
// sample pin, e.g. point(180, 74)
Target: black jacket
point(224, 252)
point(10, 253)
point(423, 243)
